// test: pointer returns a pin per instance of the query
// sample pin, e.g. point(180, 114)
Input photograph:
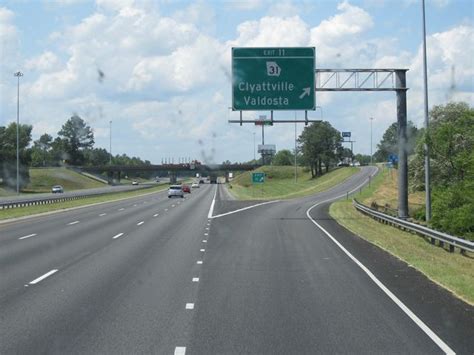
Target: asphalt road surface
point(210, 275)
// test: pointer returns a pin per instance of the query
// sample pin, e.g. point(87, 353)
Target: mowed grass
point(42, 179)
point(452, 271)
point(387, 193)
point(280, 183)
point(32, 210)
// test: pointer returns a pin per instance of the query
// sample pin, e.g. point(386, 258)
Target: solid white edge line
point(75, 222)
point(117, 236)
point(180, 350)
point(211, 209)
point(28, 236)
point(243, 209)
point(437, 340)
point(42, 277)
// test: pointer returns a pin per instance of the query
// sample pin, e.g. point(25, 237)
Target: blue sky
point(162, 106)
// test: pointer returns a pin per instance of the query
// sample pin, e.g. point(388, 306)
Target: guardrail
point(53, 199)
point(442, 238)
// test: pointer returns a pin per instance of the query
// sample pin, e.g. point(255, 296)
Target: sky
point(166, 67)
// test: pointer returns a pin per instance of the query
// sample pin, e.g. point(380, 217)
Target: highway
point(211, 275)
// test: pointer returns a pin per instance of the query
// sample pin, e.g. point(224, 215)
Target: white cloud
point(245, 5)
point(44, 62)
point(272, 32)
point(351, 21)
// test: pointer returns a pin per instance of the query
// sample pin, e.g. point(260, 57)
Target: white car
point(57, 189)
point(194, 185)
point(175, 191)
point(134, 182)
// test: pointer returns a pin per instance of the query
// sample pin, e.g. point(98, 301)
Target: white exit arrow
point(306, 91)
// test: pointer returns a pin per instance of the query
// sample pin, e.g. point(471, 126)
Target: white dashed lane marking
point(72, 223)
point(195, 279)
point(42, 277)
point(203, 250)
point(28, 236)
point(199, 262)
point(204, 241)
point(117, 236)
point(140, 223)
point(102, 214)
point(155, 215)
point(180, 350)
point(121, 209)
point(189, 305)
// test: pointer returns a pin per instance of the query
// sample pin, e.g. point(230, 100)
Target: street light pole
point(18, 75)
point(110, 143)
point(254, 147)
point(371, 119)
point(296, 171)
point(427, 151)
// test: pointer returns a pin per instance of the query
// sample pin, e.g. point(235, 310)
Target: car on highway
point(57, 189)
point(134, 182)
point(175, 191)
point(186, 188)
point(194, 185)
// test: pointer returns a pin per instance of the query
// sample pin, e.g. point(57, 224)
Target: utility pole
point(18, 75)
point(427, 132)
point(371, 119)
point(110, 143)
point(263, 143)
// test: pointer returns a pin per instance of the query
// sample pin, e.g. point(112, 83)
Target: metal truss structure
point(358, 80)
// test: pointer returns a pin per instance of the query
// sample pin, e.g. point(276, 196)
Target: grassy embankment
point(280, 183)
point(452, 271)
point(31, 210)
point(41, 180)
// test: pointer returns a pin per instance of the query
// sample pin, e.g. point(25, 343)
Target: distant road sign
point(258, 178)
point(346, 134)
point(393, 158)
point(267, 148)
point(273, 78)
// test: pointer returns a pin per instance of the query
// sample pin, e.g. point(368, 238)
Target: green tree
point(362, 159)
point(40, 153)
point(389, 143)
point(320, 143)
point(284, 157)
point(96, 157)
point(77, 136)
point(8, 153)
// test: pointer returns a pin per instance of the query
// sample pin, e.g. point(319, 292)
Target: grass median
point(32, 210)
point(280, 183)
point(452, 271)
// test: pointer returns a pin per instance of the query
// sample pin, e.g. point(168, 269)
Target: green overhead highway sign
point(273, 79)
point(258, 178)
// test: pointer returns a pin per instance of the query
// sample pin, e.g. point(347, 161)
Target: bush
point(453, 209)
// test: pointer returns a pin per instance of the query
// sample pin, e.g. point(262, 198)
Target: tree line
point(73, 146)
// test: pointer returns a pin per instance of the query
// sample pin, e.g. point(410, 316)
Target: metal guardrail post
point(462, 244)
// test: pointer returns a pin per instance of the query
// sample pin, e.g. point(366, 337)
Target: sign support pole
point(402, 144)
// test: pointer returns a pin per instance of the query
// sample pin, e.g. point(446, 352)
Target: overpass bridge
point(116, 172)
